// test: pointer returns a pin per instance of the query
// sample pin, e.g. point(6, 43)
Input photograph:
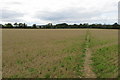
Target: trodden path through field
point(88, 73)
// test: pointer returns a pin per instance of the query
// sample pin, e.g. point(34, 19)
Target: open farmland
point(104, 45)
point(60, 53)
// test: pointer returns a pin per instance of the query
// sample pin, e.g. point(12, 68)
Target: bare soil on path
point(87, 68)
point(88, 73)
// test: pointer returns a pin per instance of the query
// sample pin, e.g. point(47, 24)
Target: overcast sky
point(59, 11)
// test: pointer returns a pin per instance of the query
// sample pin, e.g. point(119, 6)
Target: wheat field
point(59, 53)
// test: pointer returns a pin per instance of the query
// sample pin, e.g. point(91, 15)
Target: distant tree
point(24, 25)
point(49, 25)
point(1, 25)
point(80, 24)
point(74, 26)
point(34, 26)
point(115, 24)
point(62, 25)
point(40, 26)
point(20, 25)
point(92, 26)
point(16, 25)
point(8, 25)
point(85, 25)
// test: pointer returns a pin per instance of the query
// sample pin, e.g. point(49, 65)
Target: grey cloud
point(73, 15)
point(9, 15)
point(69, 14)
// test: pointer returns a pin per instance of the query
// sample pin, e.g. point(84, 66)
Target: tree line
point(60, 26)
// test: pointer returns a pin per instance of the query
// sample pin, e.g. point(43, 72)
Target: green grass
point(47, 75)
point(16, 76)
point(105, 63)
point(32, 70)
point(19, 62)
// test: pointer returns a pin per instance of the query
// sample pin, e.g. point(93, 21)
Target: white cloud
point(55, 11)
